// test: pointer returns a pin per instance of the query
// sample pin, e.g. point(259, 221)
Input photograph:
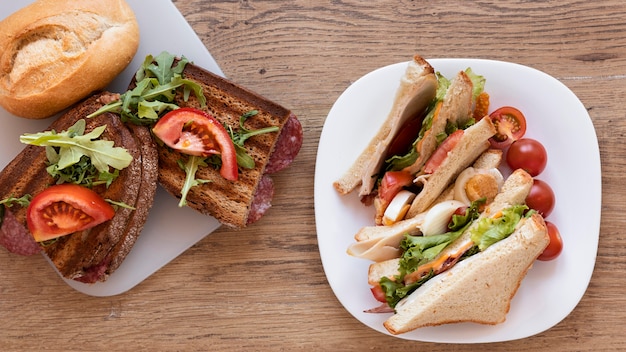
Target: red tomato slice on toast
point(64, 209)
point(195, 132)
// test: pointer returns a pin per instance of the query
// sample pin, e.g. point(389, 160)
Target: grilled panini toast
point(91, 255)
point(230, 202)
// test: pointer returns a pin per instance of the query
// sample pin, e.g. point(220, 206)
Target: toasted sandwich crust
point(77, 254)
point(417, 89)
point(478, 289)
point(229, 202)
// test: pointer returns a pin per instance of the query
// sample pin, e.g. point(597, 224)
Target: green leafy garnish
point(419, 250)
point(242, 134)
point(119, 204)
point(491, 230)
point(73, 155)
point(191, 167)
point(22, 201)
point(156, 83)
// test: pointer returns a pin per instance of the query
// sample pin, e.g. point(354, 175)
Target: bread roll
point(53, 53)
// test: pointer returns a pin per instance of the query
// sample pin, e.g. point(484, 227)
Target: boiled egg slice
point(473, 184)
point(437, 218)
point(398, 207)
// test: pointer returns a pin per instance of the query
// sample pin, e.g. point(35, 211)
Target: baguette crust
point(93, 254)
point(56, 52)
point(228, 201)
point(417, 89)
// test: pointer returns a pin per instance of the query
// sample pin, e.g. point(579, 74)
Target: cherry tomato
point(510, 126)
point(541, 198)
point(527, 154)
point(64, 209)
point(195, 132)
point(392, 183)
point(442, 151)
point(378, 293)
point(405, 137)
point(555, 247)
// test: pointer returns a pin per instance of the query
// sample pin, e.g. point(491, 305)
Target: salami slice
point(262, 199)
point(15, 237)
point(287, 146)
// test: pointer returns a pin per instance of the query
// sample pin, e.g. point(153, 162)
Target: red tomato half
point(195, 132)
point(541, 198)
point(392, 183)
point(442, 151)
point(64, 209)
point(378, 293)
point(555, 247)
point(527, 154)
point(510, 126)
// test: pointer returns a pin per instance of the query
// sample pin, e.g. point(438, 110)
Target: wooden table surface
point(263, 288)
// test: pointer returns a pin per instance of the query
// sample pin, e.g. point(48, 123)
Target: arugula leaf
point(157, 81)
point(240, 136)
point(190, 167)
point(69, 148)
point(22, 201)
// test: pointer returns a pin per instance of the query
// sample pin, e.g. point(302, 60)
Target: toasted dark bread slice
point(229, 202)
point(93, 254)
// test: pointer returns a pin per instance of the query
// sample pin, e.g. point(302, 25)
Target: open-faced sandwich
point(81, 190)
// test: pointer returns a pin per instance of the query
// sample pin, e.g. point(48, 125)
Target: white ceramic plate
point(555, 117)
point(169, 230)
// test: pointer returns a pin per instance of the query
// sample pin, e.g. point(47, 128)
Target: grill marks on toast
point(93, 254)
point(227, 201)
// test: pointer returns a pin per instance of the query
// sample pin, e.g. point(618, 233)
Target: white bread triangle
point(472, 144)
point(417, 89)
point(478, 289)
point(456, 108)
point(514, 191)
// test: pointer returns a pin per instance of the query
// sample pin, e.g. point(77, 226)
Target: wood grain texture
point(263, 288)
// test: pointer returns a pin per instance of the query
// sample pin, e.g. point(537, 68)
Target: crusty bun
point(53, 53)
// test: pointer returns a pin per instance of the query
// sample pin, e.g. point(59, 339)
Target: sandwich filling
point(423, 257)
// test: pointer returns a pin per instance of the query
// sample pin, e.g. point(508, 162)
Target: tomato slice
point(64, 209)
point(441, 153)
point(510, 126)
point(378, 293)
point(392, 183)
point(405, 137)
point(195, 132)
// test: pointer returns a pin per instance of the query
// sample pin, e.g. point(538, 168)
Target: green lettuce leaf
point(419, 250)
point(491, 230)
